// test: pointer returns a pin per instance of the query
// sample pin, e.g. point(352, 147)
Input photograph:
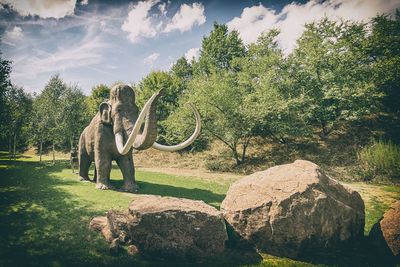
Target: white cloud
point(86, 53)
point(192, 53)
point(252, 22)
point(43, 8)
point(143, 22)
point(15, 33)
point(163, 8)
point(138, 23)
point(12, 36)
point(84, 2)
point(290, 21)
point(187, 17)
point(150, 59)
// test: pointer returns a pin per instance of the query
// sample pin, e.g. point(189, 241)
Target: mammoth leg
point(103, 169)
point(84, 165)
point(95, 174)
point(125, 163)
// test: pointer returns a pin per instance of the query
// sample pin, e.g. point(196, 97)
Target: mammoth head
point(122, 113)
point(105, 113)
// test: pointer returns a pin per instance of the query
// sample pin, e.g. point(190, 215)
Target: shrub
point(217, 164)
point(379, 159)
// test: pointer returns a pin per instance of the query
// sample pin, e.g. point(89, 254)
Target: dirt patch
point(196, 173)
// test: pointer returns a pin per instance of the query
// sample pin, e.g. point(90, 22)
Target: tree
point(39, 133)
point(263, 75)
point(182, 69)
point(19, 106)
point(74, 114)
point(49, 112)
point(220, 103)
point(99, 94)
point(154, 82)
point(331, 74)
point(218, 50)
point(384, 50)
point(5, 85)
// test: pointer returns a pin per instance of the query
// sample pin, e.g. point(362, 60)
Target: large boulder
point(167, 227)
point(293, 209)
point(385, 234)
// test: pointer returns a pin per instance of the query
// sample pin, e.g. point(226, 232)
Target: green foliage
point(5, 84)
point(384, 50)
point(172, 88)
point(251, 101)
point(263, 75)
point(19, 104)
point(218, 50)
point(59, 115)
point(182, 69)
point(378, 159)
point(48, 111)
point(219, 100)
point(99, 94)
point(331, 74)
point(74, 115)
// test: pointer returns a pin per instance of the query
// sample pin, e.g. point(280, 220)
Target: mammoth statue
point(116, 130)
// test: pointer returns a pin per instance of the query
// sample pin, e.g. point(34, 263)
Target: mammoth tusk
point(123, 149)
point(189, 141)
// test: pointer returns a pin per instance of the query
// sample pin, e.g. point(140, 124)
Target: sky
point(89, 42)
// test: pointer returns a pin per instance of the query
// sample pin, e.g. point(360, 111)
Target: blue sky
point(91, 42)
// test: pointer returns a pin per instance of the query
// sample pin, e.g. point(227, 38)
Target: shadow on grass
point(7, 156)
point(43, 225)
point(174, 191)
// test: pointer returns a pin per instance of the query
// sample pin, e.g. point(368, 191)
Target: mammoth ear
point(105, 113)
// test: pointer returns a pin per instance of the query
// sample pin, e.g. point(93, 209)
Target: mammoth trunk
point(149, 135)
point(148, 132)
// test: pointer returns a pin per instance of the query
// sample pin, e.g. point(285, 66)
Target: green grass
point(380, 159)
point(45, 212)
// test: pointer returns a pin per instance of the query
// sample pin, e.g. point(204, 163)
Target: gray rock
point(168, 227)
point(385, 234)
point(101, 225)
point(290, 210)
point(175, 227)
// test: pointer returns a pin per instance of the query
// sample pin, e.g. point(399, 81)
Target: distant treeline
point(339, 73)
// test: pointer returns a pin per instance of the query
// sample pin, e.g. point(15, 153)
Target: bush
point(217, 164)
point(379, 159)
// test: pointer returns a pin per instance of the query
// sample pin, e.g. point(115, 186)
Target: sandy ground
point(197, 173)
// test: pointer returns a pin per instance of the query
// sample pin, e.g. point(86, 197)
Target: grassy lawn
point(45, 211)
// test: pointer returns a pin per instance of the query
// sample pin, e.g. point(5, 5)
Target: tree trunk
point(235, 154)
point(40, 150)
point(54, 156)
point(15, 141)
point(245, 145)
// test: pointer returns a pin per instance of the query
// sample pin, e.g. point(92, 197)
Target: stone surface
point(118, 224)
point(385, 234)
point(175, 227)
point(168, 227)
point(100, 224)
point(293, 209)
point(114, 246)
